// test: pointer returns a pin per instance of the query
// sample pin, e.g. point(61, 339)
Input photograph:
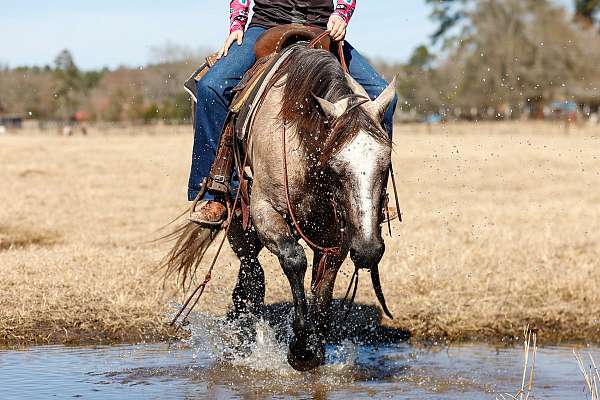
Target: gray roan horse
point(337, 156)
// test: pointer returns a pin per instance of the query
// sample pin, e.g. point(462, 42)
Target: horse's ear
point(377, 107)
point(356, 87)
point(386, 97)
point(333, 110)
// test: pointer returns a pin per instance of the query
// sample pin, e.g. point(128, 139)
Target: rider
point(215, 88)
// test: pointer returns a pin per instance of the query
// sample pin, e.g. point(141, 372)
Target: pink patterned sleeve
point(345, 9)
point(238, 12)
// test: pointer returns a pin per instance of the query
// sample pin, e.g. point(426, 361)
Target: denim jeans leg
point(214, 97)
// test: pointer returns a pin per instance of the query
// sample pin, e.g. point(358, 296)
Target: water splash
point(266, 353)
point(253, 346)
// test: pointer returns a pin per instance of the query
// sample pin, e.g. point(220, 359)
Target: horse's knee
point(292, 257)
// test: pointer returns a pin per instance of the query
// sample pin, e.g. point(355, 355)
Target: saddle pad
point(250, 96)
point(250, 80)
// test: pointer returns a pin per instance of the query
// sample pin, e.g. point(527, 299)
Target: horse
point(319, 156)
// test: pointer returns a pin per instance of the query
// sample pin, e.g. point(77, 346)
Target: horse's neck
point(265, 151)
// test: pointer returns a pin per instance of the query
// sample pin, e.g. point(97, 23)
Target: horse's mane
point(311, 72)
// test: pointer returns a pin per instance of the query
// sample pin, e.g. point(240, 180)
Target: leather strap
point(219, 181)
point(340, 45)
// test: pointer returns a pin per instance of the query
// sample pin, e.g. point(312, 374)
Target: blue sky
point(122, 32)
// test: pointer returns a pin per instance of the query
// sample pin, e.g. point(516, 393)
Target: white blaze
point(362, 157)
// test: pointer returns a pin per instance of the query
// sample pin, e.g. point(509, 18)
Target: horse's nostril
point(366, 256)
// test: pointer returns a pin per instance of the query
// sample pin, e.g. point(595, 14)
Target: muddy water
point(211, 368)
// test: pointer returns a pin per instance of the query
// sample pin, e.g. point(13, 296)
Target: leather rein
point(326, 251)
point(340, 48)
point(335, 250)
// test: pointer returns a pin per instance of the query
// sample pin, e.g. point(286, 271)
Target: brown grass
point(501, 231)
point(20, 237)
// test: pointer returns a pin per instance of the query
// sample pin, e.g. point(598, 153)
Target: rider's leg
point(214, 97)
point(374, 84)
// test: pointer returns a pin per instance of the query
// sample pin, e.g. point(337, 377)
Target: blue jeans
point(215, 95)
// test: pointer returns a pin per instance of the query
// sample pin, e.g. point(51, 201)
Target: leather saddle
point(278, 38)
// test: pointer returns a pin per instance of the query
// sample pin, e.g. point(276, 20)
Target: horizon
point(82, 29)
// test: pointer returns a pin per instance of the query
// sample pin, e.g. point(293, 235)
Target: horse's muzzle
point(366, 255)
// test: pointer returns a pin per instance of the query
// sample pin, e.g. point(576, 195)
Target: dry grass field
point(501, 229)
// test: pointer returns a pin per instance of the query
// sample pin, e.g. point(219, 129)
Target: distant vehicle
point(433, 119)
point(11, 121)
point(564, 110)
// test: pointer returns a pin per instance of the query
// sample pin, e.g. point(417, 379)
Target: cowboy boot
point(210, 213)
point(214, 212)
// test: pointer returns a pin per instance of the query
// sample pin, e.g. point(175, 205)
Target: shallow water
point(208, 368)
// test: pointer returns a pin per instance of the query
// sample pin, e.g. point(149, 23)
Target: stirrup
point(199, 196)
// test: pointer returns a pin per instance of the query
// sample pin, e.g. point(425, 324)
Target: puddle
point(207, 367)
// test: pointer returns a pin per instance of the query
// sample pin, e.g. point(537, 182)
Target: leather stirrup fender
point(219, 181)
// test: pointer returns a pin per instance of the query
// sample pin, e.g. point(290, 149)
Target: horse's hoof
point(304, 364)
point(305, 358)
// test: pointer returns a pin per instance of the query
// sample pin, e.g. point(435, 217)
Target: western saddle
point(270, 53)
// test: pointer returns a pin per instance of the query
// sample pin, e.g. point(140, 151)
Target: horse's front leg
point(306, 351)
point(323, 292)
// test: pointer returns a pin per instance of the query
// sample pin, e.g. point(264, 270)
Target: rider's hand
point(337, 28)
point(235, 36)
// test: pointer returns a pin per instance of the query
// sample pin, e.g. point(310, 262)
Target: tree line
point(505, 58)
point(487, 58)
point(63, 92)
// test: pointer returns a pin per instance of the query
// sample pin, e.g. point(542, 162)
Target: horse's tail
point(191, 243)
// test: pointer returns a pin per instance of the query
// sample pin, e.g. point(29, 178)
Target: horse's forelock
point(313, 72)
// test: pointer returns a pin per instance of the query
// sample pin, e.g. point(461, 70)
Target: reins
point(340, 47)
point(199, 291)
